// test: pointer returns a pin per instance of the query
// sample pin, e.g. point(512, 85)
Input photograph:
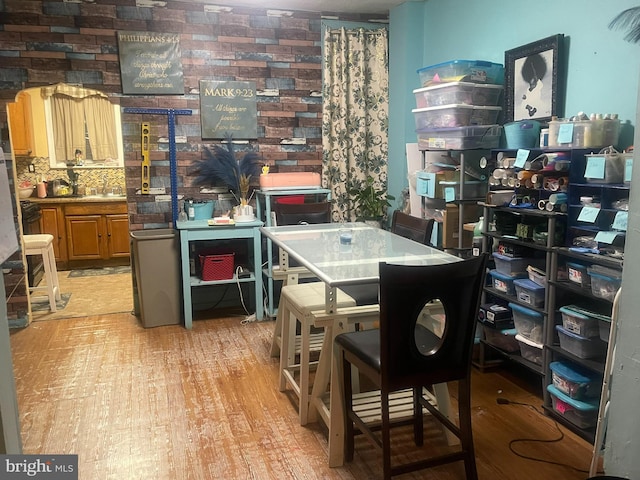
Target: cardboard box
point(450, 233)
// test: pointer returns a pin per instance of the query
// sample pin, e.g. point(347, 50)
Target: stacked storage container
point(457, 105)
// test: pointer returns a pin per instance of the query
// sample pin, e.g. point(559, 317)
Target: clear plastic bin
point(574, 381)
point(587, 133)
point(581, 413)
point(577, 273)
point(537, 276)
point(604, 283)
point(502, 339)
point(529, 350)
point(476, 71)
point(581, 347)
point(529, 292)
point(447, 116)
point(614, 166)
point(503, 283)
point(529, 323)
point(460, 138)
point(604, 330)
point(511, 265)
point(464, 93)
point(579, 323)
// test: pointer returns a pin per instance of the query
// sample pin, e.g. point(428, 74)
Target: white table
point(317, 248)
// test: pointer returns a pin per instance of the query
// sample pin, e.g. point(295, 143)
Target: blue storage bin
point(511, 265)
point(579, 322)
point(581, 414)
point(475, 71)
point(574, 381)
point(581, 347)
point(504, 283)
point(578, 274)
point(529, 323)
point(529, 292)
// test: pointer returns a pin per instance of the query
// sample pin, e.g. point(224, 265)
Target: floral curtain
point(355, 113)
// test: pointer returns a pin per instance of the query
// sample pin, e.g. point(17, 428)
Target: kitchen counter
point(82, 199)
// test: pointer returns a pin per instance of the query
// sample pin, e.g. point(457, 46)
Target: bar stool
point(296, 304)
point(42, 244)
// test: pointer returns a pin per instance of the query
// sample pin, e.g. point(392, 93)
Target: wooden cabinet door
point(20, 124)
point(118, 235)
point(85, 237)
point(52, 222)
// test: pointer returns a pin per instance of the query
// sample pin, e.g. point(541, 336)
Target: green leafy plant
point(370, 202)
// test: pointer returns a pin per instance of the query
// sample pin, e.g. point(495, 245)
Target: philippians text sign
point(150, 63)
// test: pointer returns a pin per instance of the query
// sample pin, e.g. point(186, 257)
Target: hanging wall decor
point(534, 80)
point(150, 63)
point(228, 109)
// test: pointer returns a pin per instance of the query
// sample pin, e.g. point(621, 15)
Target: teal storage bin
point(522, 134)
point(529, 323)
point(574, 381)
point(582, 414)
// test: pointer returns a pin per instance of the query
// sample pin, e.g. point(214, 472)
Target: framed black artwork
point(534, 80)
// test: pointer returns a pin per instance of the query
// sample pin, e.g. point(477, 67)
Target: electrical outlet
point(32, 168)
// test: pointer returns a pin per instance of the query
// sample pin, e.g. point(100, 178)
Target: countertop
point(82, 199)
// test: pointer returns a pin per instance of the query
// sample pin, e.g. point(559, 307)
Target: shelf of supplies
point(198, 282)
point(603, 260)
point(515, 357)
point(513, 299)
point(596, 365)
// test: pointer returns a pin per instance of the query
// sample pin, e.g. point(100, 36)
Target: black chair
point(302, 213)
point(403, 354)
point(405, 225)
point(414, 228)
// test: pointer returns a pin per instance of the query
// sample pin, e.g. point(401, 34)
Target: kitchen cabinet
point(22, 140)
point(52, 222)
point(97, 231)
point(86, 232)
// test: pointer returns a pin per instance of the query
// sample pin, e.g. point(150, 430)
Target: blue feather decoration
point(220, 168)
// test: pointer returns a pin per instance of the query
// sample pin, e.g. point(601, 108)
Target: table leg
point(186, 279)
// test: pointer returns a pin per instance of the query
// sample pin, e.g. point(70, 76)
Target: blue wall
point(602, 69)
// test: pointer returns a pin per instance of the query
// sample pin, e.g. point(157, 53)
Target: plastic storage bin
point(613, 172)
point(529, 323)
point(583, 414)
point(476, 71)
point(503, 339)
point(537, 276)
point(529, 350)
point(577, 273)
point(587, 133)
point(217, 267)
point(511, 265)
point(574, 381)
point(447, 116)
point(460, 138)
point(605, 330)
point(503, 283)
point(529, 292)
point(579, 323)
point(495, 316)
point(464, 93)
point(605, 282)
point(523, 134)
point(581, 347)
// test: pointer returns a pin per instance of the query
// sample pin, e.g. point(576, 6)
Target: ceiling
point(336, 6)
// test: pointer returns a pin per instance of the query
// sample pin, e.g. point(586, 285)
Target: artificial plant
point(220, 168)
point(370, 202)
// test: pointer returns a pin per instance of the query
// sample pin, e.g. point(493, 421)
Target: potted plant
point(370, 202)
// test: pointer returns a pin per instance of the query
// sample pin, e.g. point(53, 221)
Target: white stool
point(296, 304)
point(42, 244)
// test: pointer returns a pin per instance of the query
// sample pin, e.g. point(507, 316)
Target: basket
point(217, 267)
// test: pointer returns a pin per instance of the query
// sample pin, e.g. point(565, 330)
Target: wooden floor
point(168, 403)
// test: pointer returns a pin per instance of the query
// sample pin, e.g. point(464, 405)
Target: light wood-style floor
point(168, 403)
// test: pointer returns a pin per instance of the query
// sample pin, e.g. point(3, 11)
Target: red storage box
point(217, 267)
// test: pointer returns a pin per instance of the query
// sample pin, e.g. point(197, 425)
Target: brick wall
point(54, 41)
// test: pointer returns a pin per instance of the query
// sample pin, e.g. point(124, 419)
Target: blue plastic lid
point(573, 313)
point(475, 63)
point(570, 334)
point(507, 278)
point(572, 372)
point(529, 284)
point(577, 404)
point(524, 310)
point(576, 265)
point(605, 277)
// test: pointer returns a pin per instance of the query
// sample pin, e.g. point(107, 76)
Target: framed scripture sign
point(534, 80)
point(228, 108)
point(150, 63)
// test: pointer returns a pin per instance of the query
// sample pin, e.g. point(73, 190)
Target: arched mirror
point(432, 318)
